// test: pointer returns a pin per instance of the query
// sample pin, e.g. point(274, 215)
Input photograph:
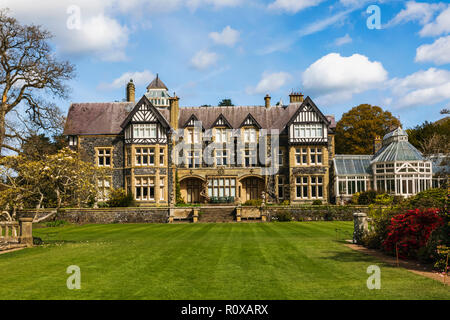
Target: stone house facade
point(216, 154)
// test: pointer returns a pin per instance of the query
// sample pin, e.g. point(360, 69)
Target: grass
point(204, 261)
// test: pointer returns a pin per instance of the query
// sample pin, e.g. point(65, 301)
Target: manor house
point(153, 148)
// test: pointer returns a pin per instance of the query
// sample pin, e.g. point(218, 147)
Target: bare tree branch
point(28, 67)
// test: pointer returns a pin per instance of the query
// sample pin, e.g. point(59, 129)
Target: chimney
point(131, 89)
point(296, 97)
point(377, 144)
point(174, 111)
point(267, 101)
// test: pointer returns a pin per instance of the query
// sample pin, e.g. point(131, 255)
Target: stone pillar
point(263, 213)
point(361, 226)
point(171, 214)
point(195, 216)
point(26, 231)
point(238, 213)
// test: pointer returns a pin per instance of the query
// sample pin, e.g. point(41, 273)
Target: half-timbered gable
point(308, 125)
point(145, 125)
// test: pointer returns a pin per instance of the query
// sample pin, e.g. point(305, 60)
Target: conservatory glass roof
point(352, 165)
point(398, 151)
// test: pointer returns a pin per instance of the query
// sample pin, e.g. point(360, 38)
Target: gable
point(191, 122)
point(250, 121)
point(307, 113)
point(145, 112)
point(221, 121)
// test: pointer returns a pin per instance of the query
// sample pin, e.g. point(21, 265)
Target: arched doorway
point(252, 188)
point(191, 189)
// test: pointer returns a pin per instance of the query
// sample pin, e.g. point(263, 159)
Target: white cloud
point(343, 76)
point(343, 40)
point(422, 88)
point(139, 78)
point(227, 37)
point(270, 82)
point(103, 34)
point(194, 4)
point(417, 11)
point(293, 6)
point(438, 27)
point(437, 52)
point(100, 34)
point(322, 24)
point(204, 59)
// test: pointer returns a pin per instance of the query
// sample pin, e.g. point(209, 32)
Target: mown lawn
point(204, 261)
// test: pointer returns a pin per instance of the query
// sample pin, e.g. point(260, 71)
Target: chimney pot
point(131, 91)
point(267, 101)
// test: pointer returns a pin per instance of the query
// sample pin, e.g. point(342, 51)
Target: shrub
point(283, 216)
point(384, 199)
point(253, 202)
point(56, 223)
point(355, 198)
point(367, 197)
point(438, 245)
point(378, 226)
point(397, 200)
point(411, 231)
point(285, 203)
point(431, 198)
point(120, 198)
point(317, 203)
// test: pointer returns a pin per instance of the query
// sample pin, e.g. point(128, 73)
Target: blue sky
point(206, 50)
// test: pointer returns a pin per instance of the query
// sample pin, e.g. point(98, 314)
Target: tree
point(358, 128)
point(431, 138)
point(28, 70)
point(63, 176)
point(226, 103)
point(37, 146)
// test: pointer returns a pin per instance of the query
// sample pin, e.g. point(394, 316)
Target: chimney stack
point(267, 101)
point(377, 144)
point(296, 97)
point(131, 89)
point(174, 111)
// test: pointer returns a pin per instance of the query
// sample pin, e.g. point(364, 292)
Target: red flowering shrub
point(411, 231)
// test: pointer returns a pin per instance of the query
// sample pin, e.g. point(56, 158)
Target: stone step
point(222, 214)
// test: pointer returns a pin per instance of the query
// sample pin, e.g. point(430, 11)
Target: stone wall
point(317, 213)
point(162, 214)
point(87, 145)
point(107, 215)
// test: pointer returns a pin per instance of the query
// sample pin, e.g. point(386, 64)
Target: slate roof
point(106, 118)
point(157, 84)
point(96, 118)
point(268, 118)
point(352, 165)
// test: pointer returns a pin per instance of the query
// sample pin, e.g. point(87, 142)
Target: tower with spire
point(158, 93)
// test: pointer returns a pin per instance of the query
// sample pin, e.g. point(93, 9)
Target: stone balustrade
point(15, 232)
